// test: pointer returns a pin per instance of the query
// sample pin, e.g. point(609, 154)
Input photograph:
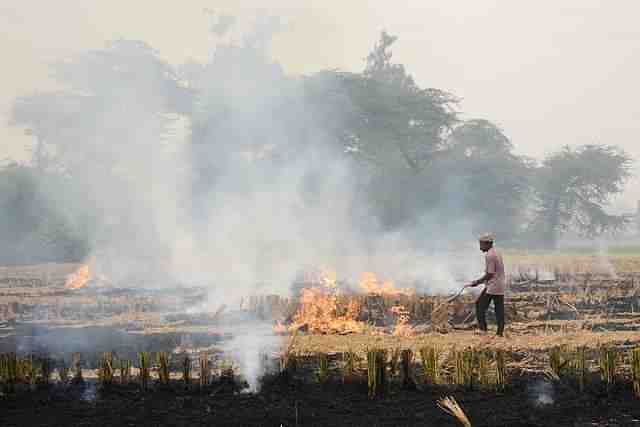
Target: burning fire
point(319, 309)
point(79, 279)
point(402, 328)
point(369, 284)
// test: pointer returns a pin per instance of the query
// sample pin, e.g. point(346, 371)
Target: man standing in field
point(494, 278)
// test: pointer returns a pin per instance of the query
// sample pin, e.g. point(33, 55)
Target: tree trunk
point(551, 238)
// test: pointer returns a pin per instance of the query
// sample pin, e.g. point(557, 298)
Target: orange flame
point(319, 310)
point(79, 279)
point(369, 284)
point(402, 327)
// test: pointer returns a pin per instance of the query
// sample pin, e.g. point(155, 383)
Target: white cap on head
point(487, 237)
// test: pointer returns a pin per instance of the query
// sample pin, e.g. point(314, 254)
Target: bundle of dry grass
point(9, 371)
point(376, 372)
point(429, 357)
point(186, 370)
point(106, 371)
point(288, 360)
point(501, 370)
point(125, 371)
point(145, 369)
point(349, 366)
point(635, 371)
point(63, 372)
point(322, 375)
point(451, 407)
point(163, 368)
point(76, 363)
point(608, 362)
point(406, 362)
point(205, 370)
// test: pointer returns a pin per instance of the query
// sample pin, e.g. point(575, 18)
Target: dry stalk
point(76, 363)
point(145, 372)
point(186, 370)
point(125, 371)
point(608, 363)
point(9, 371)
point(580, 368)
point(429, 357)
point(635, 371)
point(288, 361)
point(28, 371)
point(63, 372)
point(464, 367)
point(406, 362)
point(349, 366)
point(106, 371)
point(163, 368)
point(556, 363)
point(46, 368)
point(323, 368)
point(482, 360)
point(205, 370)
point(501, 371)
point(451, 407)
point(394, 362)
point(376, 378)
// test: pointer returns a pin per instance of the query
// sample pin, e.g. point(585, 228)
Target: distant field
point(633, 250)
point(621, 259)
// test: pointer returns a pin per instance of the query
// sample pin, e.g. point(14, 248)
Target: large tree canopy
point(492, 182)
point(573, 187)
point(374, 144)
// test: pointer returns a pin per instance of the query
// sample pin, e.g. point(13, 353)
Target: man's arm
point(490, 272)
point(483, 279)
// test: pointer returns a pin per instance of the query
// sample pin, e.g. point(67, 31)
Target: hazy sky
point(549, 72)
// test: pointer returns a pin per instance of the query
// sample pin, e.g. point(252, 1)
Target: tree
point(573, 187)
point(392, 129)
point(387, 119)
point(107, 131)
point(32, 229)
point(491, 182)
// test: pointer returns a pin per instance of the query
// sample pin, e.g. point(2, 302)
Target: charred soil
point(287, 403)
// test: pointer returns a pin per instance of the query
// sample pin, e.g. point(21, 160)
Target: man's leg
point(498, 305)
point(482, 304)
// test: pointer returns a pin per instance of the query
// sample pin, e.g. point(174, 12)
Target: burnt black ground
point(329, 405)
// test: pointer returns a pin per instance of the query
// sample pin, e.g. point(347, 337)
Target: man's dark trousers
point(482, 304)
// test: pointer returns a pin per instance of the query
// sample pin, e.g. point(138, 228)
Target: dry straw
point(451, 407)
point(186, 370)
point(125, 371)
point(501, 370)
point(322, 375)
point(145, 369)
point(349, 366)
point(63, 372)
point(464, 367)
point(205, 370)
point(376, 372)
point(106, 371)
point(9, 371)
point(163, 368)
point(394, 362)
point(580, 368)
point(406, 362)
point(46, 368)
point(635, 371)
point(429, 357)
point(76, 363)
point(608, 362)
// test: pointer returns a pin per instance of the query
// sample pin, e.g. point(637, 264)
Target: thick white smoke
point(242, 187)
